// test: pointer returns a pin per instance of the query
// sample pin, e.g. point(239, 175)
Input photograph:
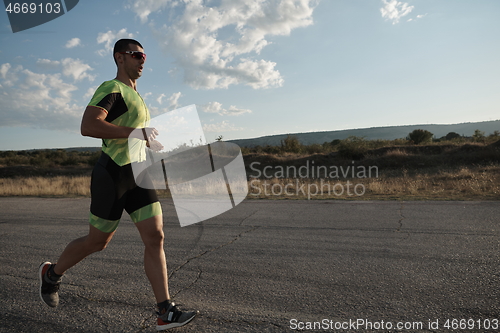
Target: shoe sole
point(174, 325)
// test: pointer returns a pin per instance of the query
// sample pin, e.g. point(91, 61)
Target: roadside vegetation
point(48, 158)
point(419, 167)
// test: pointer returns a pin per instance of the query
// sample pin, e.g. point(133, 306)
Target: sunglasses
point(136, 54)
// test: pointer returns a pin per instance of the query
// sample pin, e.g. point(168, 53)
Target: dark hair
point(122, 45)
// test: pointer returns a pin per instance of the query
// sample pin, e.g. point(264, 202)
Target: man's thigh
point(97, 236)
point(151, 229)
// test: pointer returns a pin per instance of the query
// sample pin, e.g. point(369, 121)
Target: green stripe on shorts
point(103, 224)
point(146, 212)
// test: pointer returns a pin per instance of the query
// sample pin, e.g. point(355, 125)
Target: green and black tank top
point(124, 107)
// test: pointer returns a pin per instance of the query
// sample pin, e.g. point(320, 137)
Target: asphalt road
point(265, 266)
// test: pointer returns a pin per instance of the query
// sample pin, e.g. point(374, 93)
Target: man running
point(115, 113)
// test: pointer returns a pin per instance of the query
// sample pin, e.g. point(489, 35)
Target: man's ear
point(118, 57)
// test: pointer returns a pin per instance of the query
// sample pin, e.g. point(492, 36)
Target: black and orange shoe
point(173, 317)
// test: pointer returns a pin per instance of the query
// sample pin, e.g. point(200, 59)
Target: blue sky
point(257, 67)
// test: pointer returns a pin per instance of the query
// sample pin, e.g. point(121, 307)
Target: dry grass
point(481, 183)
point(45, 186)
point(468, 171)
point(466, 183)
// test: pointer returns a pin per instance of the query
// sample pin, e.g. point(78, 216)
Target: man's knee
point(151, 231)
point(97, 245)
point(153, 238)
point(97, 240)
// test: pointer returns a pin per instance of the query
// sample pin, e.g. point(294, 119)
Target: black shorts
point(113, 189)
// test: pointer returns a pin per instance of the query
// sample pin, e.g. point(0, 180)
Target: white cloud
point(6, 72)
point(207, 40)
point(48, 64)
point(76, 69)
point(418, 17)
point(90, 92)
point(4, 69)
point(173, 101)
point(223, 126)
point(394, 10)
point(145, 7)
point(216, 107)
point(109, 39)
point(37, 100)
point(73, 42)
point(160, 98)
point(234, 111)
point(212, 107)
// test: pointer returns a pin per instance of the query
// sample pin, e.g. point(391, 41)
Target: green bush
point(419, 136)
point(478, 136)
point(273, 150)
point(315, 148)
point(40, 160)
point(335, 142)
point(353, 148)
point(291, 144)
point(451, 136)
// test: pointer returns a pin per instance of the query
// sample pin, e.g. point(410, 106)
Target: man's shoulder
point(108, 91)
point(111, 86)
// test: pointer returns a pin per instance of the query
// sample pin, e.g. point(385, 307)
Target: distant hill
point(373, 133)
point(82, 149)
point(75, 149)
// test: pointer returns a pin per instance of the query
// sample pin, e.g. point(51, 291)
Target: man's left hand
point(155, 145)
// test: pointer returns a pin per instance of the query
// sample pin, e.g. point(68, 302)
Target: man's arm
point(95, 125)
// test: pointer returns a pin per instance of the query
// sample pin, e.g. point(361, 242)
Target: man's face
point(132, 66)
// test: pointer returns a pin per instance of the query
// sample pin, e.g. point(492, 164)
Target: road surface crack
point(201, 255)
point(402, 217)
point(190, 285)
point(247, 217)
point(211, 250)
point(144, 324)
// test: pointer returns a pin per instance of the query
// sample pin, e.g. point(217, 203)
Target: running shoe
point(174, 318)
point(48, 288)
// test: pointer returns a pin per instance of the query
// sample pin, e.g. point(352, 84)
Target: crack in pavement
point(211, 250)
point(192, 284)
point(143, 324)
point(402, 217)
point(201, 255)
point(400, 222)
point(246, 218)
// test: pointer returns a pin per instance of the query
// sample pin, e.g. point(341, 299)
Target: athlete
point(115, 113)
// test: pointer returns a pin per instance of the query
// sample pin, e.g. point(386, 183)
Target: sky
point(257, 67)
